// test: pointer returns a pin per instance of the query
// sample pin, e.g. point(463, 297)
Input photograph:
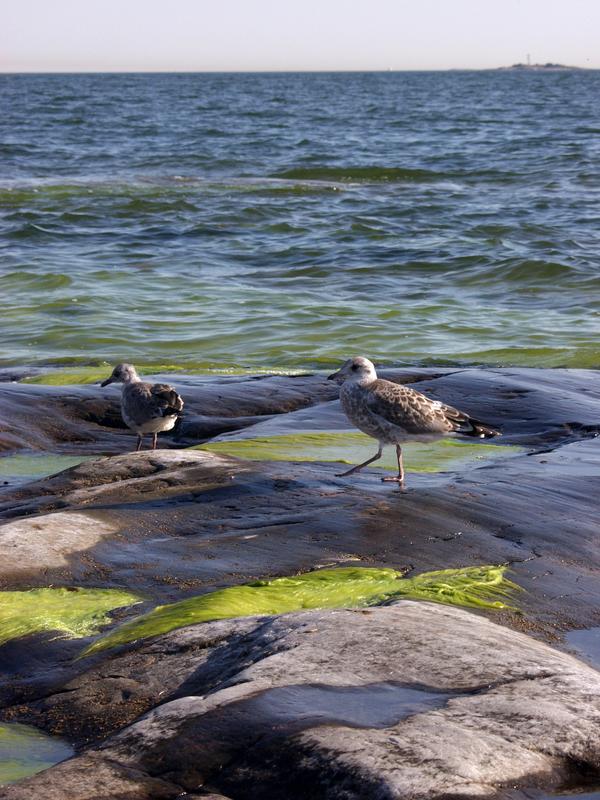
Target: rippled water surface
point(290, 220)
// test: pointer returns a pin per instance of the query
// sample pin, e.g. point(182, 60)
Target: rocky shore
point(407, 700)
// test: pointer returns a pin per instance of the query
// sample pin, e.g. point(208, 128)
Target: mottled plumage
point(392, 413)
point(145, 407)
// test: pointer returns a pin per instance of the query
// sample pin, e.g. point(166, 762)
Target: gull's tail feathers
point(469, 426)
point(168, 400)
point(477, 429)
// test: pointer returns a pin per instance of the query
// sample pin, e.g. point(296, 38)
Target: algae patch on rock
point(73, 612)
point(71, 376)
point(24, 751)
point(354, 447)
point(481, 587)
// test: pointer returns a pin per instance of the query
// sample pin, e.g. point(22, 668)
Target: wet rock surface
point(87, 419)
point(175, 522)
point(411, 700)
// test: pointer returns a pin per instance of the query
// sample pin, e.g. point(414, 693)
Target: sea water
point(288, 221)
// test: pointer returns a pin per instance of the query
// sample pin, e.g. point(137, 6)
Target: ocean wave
point(355, 174)
point(30, 231)
point(33, 281)
point(526, 273)
point(143, 191)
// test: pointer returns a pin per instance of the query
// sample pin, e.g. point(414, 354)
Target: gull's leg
point(154, 438)
point(399, 478)
point(360, 466)
point(139, 444)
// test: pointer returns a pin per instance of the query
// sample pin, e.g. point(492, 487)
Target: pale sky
point(171, 35)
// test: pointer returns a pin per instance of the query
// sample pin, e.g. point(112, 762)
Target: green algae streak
point(478, 587)
point(24, 751)
point(72, 376)
point(72, 612)
point(352, 448)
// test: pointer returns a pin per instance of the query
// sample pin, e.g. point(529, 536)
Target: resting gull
point(392, 413)
point(145, 407)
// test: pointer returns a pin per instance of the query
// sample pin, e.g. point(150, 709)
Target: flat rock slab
point(36, 544)
point(129, 478)
point(42, 543)
point(87, 419)
point(413, 700)
point(535, 407)
point(530, 405)
point(189, 521)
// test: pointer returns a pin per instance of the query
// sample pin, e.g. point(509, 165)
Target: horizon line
point(525, 67)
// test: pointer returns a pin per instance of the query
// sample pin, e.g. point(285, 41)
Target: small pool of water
point(586, 643)
point(22, 468)
point(377, 705)
point(25, 750)
point(352, 447)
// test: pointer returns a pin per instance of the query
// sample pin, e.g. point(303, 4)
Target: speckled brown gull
point(145, 407)
point(392, 413)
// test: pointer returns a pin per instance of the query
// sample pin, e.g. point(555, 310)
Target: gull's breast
point(354, 400)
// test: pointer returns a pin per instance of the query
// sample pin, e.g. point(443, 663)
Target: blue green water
point(25, 750)
point(290, 220)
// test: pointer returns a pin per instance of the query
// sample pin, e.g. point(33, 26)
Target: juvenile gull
point(392, 413)
point(145, 407)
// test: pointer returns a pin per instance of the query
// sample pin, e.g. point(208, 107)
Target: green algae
point(71, 376)
point(24, 751)
point(68, 376)
point(73, 612)
point(354, 447)
point(476, 587)
point(37, 466)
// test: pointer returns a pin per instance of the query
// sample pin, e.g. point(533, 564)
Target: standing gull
point(392, 413)
point(145, 407)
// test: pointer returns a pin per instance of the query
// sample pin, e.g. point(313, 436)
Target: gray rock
point(87, 419)
point(411, 701)
point(200, 521)
point(127, 478)
point(93, 778)
point(39, 543)
point(313, 705)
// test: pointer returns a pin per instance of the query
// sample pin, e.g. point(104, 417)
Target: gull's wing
point(418, 414)
point(166, 399)
point(408, 409)
point(145, 401)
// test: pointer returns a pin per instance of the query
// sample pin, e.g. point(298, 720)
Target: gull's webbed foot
point(348, 472)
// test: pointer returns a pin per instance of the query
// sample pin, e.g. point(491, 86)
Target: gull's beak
point(107, 381)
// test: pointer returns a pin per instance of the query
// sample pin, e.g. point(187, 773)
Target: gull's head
point(122, 373)
point(355, 370)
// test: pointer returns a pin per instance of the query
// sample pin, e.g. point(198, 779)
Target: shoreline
point(177, 522)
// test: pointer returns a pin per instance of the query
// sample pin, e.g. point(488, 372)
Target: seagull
point(145, 407)
point(392, 413)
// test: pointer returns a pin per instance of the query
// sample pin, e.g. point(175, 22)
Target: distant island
point(549, 67)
